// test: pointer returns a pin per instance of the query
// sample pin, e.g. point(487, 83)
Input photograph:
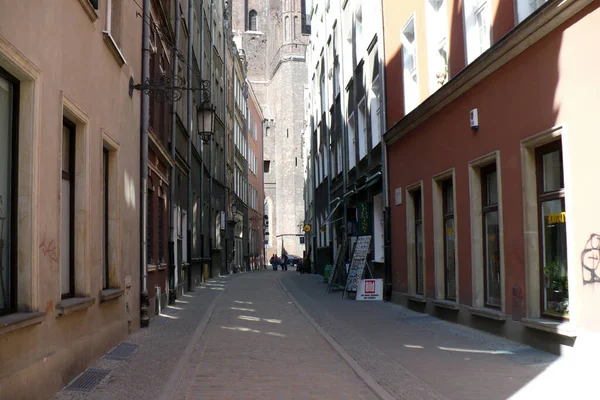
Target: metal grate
point(121, 352)
point(87, 381)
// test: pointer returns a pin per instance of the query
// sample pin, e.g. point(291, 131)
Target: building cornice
point(530, 31)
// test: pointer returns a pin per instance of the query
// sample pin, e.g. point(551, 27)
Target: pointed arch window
point(253, 20)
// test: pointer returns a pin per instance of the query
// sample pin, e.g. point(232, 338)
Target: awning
point(337, 205)
point(370, 181)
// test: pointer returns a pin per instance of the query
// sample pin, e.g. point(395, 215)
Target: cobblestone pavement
point(415, 356)
point(161, 346)
point(257, 345)
point(264, 335)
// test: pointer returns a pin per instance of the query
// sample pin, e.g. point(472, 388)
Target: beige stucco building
point(69, 209)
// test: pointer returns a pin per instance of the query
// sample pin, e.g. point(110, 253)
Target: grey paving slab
point(415, 356)
point(160, 347)
point(257, 345)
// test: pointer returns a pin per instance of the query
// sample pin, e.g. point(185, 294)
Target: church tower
point(273, 35)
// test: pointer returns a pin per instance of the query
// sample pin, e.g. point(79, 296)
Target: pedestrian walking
point(274, 262)
point(285, 262)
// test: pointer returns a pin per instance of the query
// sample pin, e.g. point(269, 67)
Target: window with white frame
point(526, 7)
point(437, 42)
point(409, 66)
point(374, 99)
point(351, 142)
point(478, 27)
point(362, 129)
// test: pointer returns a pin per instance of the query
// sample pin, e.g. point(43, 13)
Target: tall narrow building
point(274, 35)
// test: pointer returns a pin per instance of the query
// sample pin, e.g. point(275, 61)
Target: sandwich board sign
point(359, 260)
point(370, 290)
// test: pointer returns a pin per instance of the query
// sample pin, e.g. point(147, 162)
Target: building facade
point(490, 105)
point(255, 183)
point(69, 189)
point(346, 120)
point(273, 35)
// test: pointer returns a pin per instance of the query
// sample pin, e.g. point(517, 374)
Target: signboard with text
point(359, 260)
point(370, 290)
point(364, 213)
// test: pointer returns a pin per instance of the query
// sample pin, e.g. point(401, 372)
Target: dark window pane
point(150, 228)
point(420, 266)
point(491, 188)
point(554, 242)
point(448, 190)
point(552, 170)
point(6, 162)
point(492, 259)
point(450, 240)
point(161, 233)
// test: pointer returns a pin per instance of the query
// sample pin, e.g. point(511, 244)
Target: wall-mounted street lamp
point(206, 114)
point(166, 88)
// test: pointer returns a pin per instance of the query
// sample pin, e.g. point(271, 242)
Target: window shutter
point(94, 4)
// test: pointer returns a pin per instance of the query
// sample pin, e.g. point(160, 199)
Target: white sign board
point(370, 290)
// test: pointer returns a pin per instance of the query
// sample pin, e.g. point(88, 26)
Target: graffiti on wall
point(590, 260)
point(49, 251)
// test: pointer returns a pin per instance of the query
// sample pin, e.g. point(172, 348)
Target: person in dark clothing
point(284, 264)
point(273, 262)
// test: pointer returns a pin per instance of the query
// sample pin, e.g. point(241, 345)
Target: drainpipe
point(144, 302)
point(190, 22)
point(172, 233)
point(210, 150)
point(387, 240)
point(202, 246)
point(226, 34)
point(313, 146)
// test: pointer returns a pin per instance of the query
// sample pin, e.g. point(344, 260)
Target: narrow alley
point(278, 335)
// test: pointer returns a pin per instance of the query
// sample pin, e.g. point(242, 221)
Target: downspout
point(210, 150)
point(387, 240)
point(145, 103)
point(190, 93)
point(172, 233)
point(226, 34)
point(344, 147)
point(202, 144)
point(313, 145)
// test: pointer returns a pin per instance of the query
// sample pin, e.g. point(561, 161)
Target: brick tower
point(274, 34)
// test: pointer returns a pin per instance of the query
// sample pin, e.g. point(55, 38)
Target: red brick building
point(491, 111)
point(256, 195)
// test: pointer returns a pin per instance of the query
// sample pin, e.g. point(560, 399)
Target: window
point(437, 47)
point(553, 233)
point(477, 25)
point(286, 28)
point(67, 250)
point(9, 89)
point(526, 7)
point(150, 227)
point(491, 243)
point(487, 246)
point(253, 20)
point(267, 166)
point(351, 142)
point(161, 230)
point(409, 66)
point(420, 265)
point(362, 129)
point(449, 240)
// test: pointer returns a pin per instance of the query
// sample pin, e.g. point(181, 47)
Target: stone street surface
point(278, 335)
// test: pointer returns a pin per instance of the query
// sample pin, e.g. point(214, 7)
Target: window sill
point(151, 267)
point(418, 298)
point(450, 305)
point(111, 294)
point(162, 266)
point(548, 325)
point(489, 313)
point(114, 49)
point(70, 306)
point(13, 322)
point(89, 10)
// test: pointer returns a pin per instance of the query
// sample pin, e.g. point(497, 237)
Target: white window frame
point(410, 75)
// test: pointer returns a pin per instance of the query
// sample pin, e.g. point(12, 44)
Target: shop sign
point(370, 290)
